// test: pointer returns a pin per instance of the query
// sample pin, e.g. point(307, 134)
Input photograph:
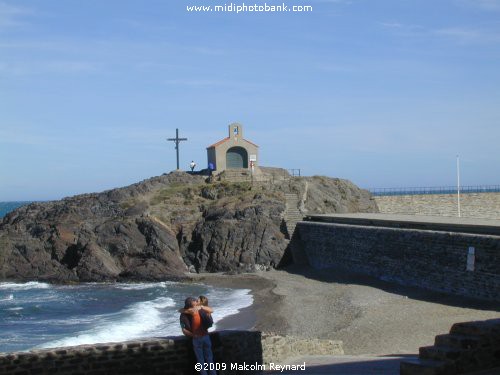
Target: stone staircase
point(469, 347)
point(235, 175)
point(244, 175)
point(292, 213)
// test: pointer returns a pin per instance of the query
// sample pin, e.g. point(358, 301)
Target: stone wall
point(430, 259)
point(475, 205)
point(153, 356)
point(276, 349)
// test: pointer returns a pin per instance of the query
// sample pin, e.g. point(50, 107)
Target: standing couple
point(196, 319)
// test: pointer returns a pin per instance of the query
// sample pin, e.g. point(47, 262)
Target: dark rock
point(238, 239)
point(162, 228)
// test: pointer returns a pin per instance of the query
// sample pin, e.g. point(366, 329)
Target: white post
point(458, 186)
point(471, 259)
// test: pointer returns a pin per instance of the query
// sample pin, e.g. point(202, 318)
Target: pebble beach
point(370, 316)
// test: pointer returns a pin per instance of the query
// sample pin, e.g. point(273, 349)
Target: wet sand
point(370, 316)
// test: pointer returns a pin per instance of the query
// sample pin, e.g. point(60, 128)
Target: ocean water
point(37, 315)
point(6, 207)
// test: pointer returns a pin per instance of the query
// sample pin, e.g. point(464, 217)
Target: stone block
point(423, 367)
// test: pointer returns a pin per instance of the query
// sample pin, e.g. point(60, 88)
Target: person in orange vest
point(192, 317)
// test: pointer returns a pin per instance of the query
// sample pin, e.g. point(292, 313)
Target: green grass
point(128, 203)
point(173, 191)
point(194, 194)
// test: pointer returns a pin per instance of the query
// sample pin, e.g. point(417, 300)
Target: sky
point(384, 93)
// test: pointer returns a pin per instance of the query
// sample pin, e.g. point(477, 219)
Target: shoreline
point(370, 316)
point(253, 317)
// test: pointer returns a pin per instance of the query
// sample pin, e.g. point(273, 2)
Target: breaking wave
point(24, 286)
point(139, 320)
point(40, 315)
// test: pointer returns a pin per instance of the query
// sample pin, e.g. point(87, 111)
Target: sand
point(370, 316)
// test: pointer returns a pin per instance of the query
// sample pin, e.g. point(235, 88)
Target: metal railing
point(435, 190)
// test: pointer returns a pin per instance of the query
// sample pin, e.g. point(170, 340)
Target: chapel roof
point(227, 139)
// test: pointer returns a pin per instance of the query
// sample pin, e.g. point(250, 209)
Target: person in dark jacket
point(206, 319)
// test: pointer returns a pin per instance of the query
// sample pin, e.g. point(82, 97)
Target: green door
point(236, 157)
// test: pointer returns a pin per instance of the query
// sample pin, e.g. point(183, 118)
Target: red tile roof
point(219, 143)
point(251, 143)
point(227, 139)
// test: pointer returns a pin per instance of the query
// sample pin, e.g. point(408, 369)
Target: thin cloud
point(404, 29)
point(143, 26)
point(488, 5)
point(194, 83)
point(200, 83)
point(207, 51)
point(48, 67)
point(10, 15)
point(21, 135)
point(468, 36)
point(335, 68)
point(392, 25)
point(71, 66)
point(459, 35)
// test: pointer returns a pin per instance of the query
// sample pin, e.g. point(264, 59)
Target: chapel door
point(236, 157)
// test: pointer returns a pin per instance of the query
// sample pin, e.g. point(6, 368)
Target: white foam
point(24, 286)
point(155, 318)
point(226, 303)
point(68, 321)
point(139, 320)
point(143, 286)
point(10, 297)
point(14, 309)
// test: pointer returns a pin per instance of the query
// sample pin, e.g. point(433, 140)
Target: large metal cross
point(177, 140)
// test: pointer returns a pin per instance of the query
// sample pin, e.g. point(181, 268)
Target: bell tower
point(235, 131)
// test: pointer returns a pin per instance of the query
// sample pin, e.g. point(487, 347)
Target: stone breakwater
point(473, 205)
point(154, 356)
point(248, 350)
point(431, 259)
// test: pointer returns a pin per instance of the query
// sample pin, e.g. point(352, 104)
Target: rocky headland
point(165, 226)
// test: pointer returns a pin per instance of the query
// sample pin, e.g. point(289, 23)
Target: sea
point(6, 207)
point(37, 315)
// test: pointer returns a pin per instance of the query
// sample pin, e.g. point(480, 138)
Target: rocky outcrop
point(241, 237)
point(322, 195)
point(161, 228)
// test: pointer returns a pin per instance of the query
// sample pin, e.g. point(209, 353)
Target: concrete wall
point(154, 356)
point(476, 205)
point(430, 259)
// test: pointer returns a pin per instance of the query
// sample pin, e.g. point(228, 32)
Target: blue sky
point(385, 93)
